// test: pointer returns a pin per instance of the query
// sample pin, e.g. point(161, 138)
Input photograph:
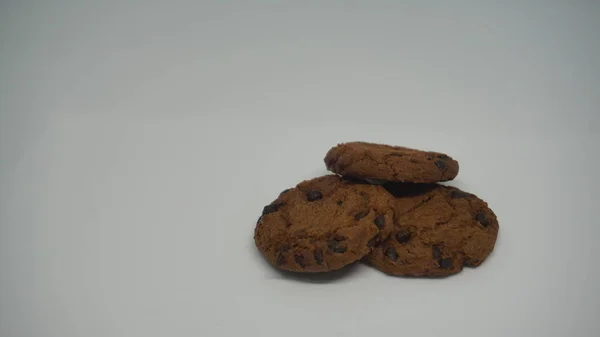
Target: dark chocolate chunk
point(436, 252)
point(299, 260)
point(391, 253)
point(440, 164)
point(365, 196)
point(446, 263)
point(280, 259)
point(340, 203)
point(373, 241)
point(284, 191)
point(313, 195)
point(339, 237)
point(459, 194)
point(403, 235)
point(482, 219)
point(336, 247)
point(380, 221)
point(443, 156)
point(271, 208)
point(318, 256)
point(360, 215)
point(469, 263)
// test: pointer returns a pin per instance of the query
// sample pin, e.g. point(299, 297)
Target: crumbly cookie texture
point(324, 224)
point(378, 162)
point(437, 231)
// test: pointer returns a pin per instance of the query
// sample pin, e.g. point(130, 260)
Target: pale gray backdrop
point(139, 141)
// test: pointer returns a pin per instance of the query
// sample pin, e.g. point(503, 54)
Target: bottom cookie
point(438, 230)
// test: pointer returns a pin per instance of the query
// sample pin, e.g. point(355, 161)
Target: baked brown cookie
point(390, 163)
point(437, 231)
point(324, 224)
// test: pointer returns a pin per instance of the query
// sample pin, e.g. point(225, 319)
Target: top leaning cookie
point(381, 162)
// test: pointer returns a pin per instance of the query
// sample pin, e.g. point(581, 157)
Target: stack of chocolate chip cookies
point(383, 206)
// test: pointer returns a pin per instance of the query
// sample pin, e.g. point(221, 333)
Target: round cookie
point(378, 162)
point(437, 231)
point(324, 224)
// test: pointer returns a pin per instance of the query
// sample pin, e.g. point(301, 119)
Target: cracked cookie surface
point(324, 224)
point(390, 163)
point(437, 231)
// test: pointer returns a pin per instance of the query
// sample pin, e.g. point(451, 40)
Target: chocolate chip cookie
point(324, 224)
point(390, 163)
point(437, 231)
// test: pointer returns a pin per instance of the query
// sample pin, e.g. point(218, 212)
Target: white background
point(139, 141)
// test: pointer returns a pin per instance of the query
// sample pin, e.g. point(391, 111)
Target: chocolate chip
point(299, 260)
point(285, 191)
point(443, 156)
point(391, 253)
point(340, 203)
point(446, 263)
point(365, 196)
point(470, 263)
point(339, 237)
point(440, 164)
point(436, 252)
point(280, 259)
point(319, 256)
point(271, 208)
point(373, 241)
point(360, 215)
point(336, 247)
point(430, 157)
point(482, 219)
point(313, 195)
point(459, 195)
point(403, 236)
point(380, 221)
